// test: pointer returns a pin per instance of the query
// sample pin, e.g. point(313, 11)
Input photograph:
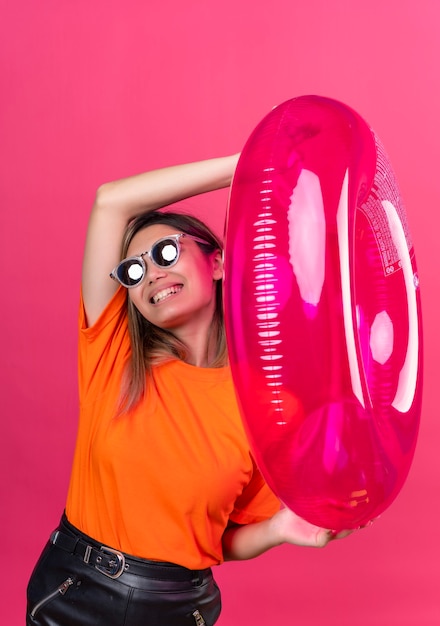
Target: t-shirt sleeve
point(257, 501)
point(102, 346)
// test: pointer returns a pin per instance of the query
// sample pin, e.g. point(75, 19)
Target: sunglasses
point(163, 253)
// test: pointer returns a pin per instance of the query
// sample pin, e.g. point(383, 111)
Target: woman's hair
point(150, 344)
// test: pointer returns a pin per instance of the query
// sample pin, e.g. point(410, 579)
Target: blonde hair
point(151, 345)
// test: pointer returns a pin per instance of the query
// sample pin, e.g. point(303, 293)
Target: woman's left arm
point(251, 540)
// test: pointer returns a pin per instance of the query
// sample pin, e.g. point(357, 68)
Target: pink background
point(97, 89)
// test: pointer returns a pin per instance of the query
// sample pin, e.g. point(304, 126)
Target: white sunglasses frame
point(139, 257)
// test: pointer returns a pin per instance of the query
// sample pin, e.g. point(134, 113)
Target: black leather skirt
point(79, 582)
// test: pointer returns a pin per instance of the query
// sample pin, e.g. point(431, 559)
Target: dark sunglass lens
point(165, 252)
point(130, 272)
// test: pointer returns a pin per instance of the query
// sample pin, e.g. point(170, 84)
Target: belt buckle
point(115, 567)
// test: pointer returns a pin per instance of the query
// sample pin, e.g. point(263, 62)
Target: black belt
point(114, 563)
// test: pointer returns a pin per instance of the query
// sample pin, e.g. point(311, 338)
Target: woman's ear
point(217, 265)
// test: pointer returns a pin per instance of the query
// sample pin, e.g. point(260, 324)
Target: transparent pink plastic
point(323, 313)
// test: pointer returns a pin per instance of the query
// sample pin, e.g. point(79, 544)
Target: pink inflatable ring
point(323, 313)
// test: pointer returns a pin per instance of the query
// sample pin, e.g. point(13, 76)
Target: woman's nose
point(154, 273)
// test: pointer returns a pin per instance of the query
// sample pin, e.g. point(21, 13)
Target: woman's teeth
point(161, 295)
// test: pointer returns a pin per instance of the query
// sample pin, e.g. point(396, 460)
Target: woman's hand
point(251, 540)
point(290, 528)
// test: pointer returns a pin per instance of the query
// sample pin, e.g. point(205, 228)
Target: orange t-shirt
point(162, 481)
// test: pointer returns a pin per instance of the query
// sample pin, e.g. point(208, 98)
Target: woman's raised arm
point(118, 202)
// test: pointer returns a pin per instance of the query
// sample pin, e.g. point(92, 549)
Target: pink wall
point(96, 90)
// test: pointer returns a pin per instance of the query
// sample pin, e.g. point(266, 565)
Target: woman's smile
point(165, 293)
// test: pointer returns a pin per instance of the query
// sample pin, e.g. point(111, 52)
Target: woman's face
point(181, 297)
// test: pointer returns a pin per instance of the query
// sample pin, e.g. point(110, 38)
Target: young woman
point(163, 484)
